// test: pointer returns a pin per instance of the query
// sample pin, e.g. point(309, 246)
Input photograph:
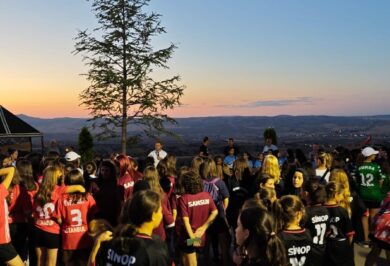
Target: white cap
point(368, 151)
point(72, 156)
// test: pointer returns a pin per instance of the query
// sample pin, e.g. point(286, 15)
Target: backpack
point(210, 187)
point(382, 223)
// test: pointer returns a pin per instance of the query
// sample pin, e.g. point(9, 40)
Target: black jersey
point(298, 245)
point(340, 223)
point(139, 251)
point(339, 250)
point(318, 225)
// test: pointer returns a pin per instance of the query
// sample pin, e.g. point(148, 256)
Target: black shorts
point(43, 239)
point(7, 252)
point(372, 204)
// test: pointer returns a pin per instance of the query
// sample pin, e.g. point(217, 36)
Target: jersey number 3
point(76, 217)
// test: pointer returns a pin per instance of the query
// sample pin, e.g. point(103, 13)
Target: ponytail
point(124, 238)
point(331, 190)
point(260, 225)
point(125, 230)
point(267, 196)
point(285, 210)
point(322, 157)
point(277, 213)
point(135, 212)
point(275, 251)
point(316, 191)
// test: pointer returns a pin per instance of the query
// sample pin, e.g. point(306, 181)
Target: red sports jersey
point(173, 183)
point(19, 206)
point(126, 185)
point(173, 201)
point(31, 194)
point(75, 217)
point(4, 228)
point(46, 216)
point(197, 208)
point(167, 220)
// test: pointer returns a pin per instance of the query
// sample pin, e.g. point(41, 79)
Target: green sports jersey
point(368, 182)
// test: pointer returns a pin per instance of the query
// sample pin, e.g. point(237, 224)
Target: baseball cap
point(368, 151)
point(71, 156)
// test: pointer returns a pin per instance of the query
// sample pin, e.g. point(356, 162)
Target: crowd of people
point(282, 207)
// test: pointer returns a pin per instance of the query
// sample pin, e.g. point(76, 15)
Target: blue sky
point(235, 57)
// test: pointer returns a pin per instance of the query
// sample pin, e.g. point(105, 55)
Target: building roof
point(12, 126)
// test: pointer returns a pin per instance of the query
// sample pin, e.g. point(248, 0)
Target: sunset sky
point(242, 57)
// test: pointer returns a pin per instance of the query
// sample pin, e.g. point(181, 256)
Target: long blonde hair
point(208, 169)
point(271, 167)
point(196, 162)
point(151, 176)
point(325, 159)
point(239, 168)
point(51, 175)
point(171, 165)
point(339, 176)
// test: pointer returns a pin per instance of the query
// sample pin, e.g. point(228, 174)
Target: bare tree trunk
point(124, 123)
point(124, 91)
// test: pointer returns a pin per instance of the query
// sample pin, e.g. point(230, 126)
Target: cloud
point(271, 103)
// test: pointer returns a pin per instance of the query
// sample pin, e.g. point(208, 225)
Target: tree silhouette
point(85, 144)
point(121, 62)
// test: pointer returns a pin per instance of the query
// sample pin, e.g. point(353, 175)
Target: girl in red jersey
point(197, 211)
point(26, 173)
point(152, 177)
point(74, 211)
point(25, 170)
point(19, 209)
point(172, 175)
point(126, 180)
point(167, 182)
point(8, 253)
point(47, 230)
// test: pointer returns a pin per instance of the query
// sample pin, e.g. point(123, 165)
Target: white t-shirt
point(272, 147)
point(154, 154)
point(321, 172)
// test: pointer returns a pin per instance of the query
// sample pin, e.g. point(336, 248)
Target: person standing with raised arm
point(8, 254)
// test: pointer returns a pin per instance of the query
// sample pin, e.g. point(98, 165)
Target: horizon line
point(220, 116)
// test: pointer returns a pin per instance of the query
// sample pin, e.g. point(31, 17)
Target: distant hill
point(247, 130)
point(241, 126)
